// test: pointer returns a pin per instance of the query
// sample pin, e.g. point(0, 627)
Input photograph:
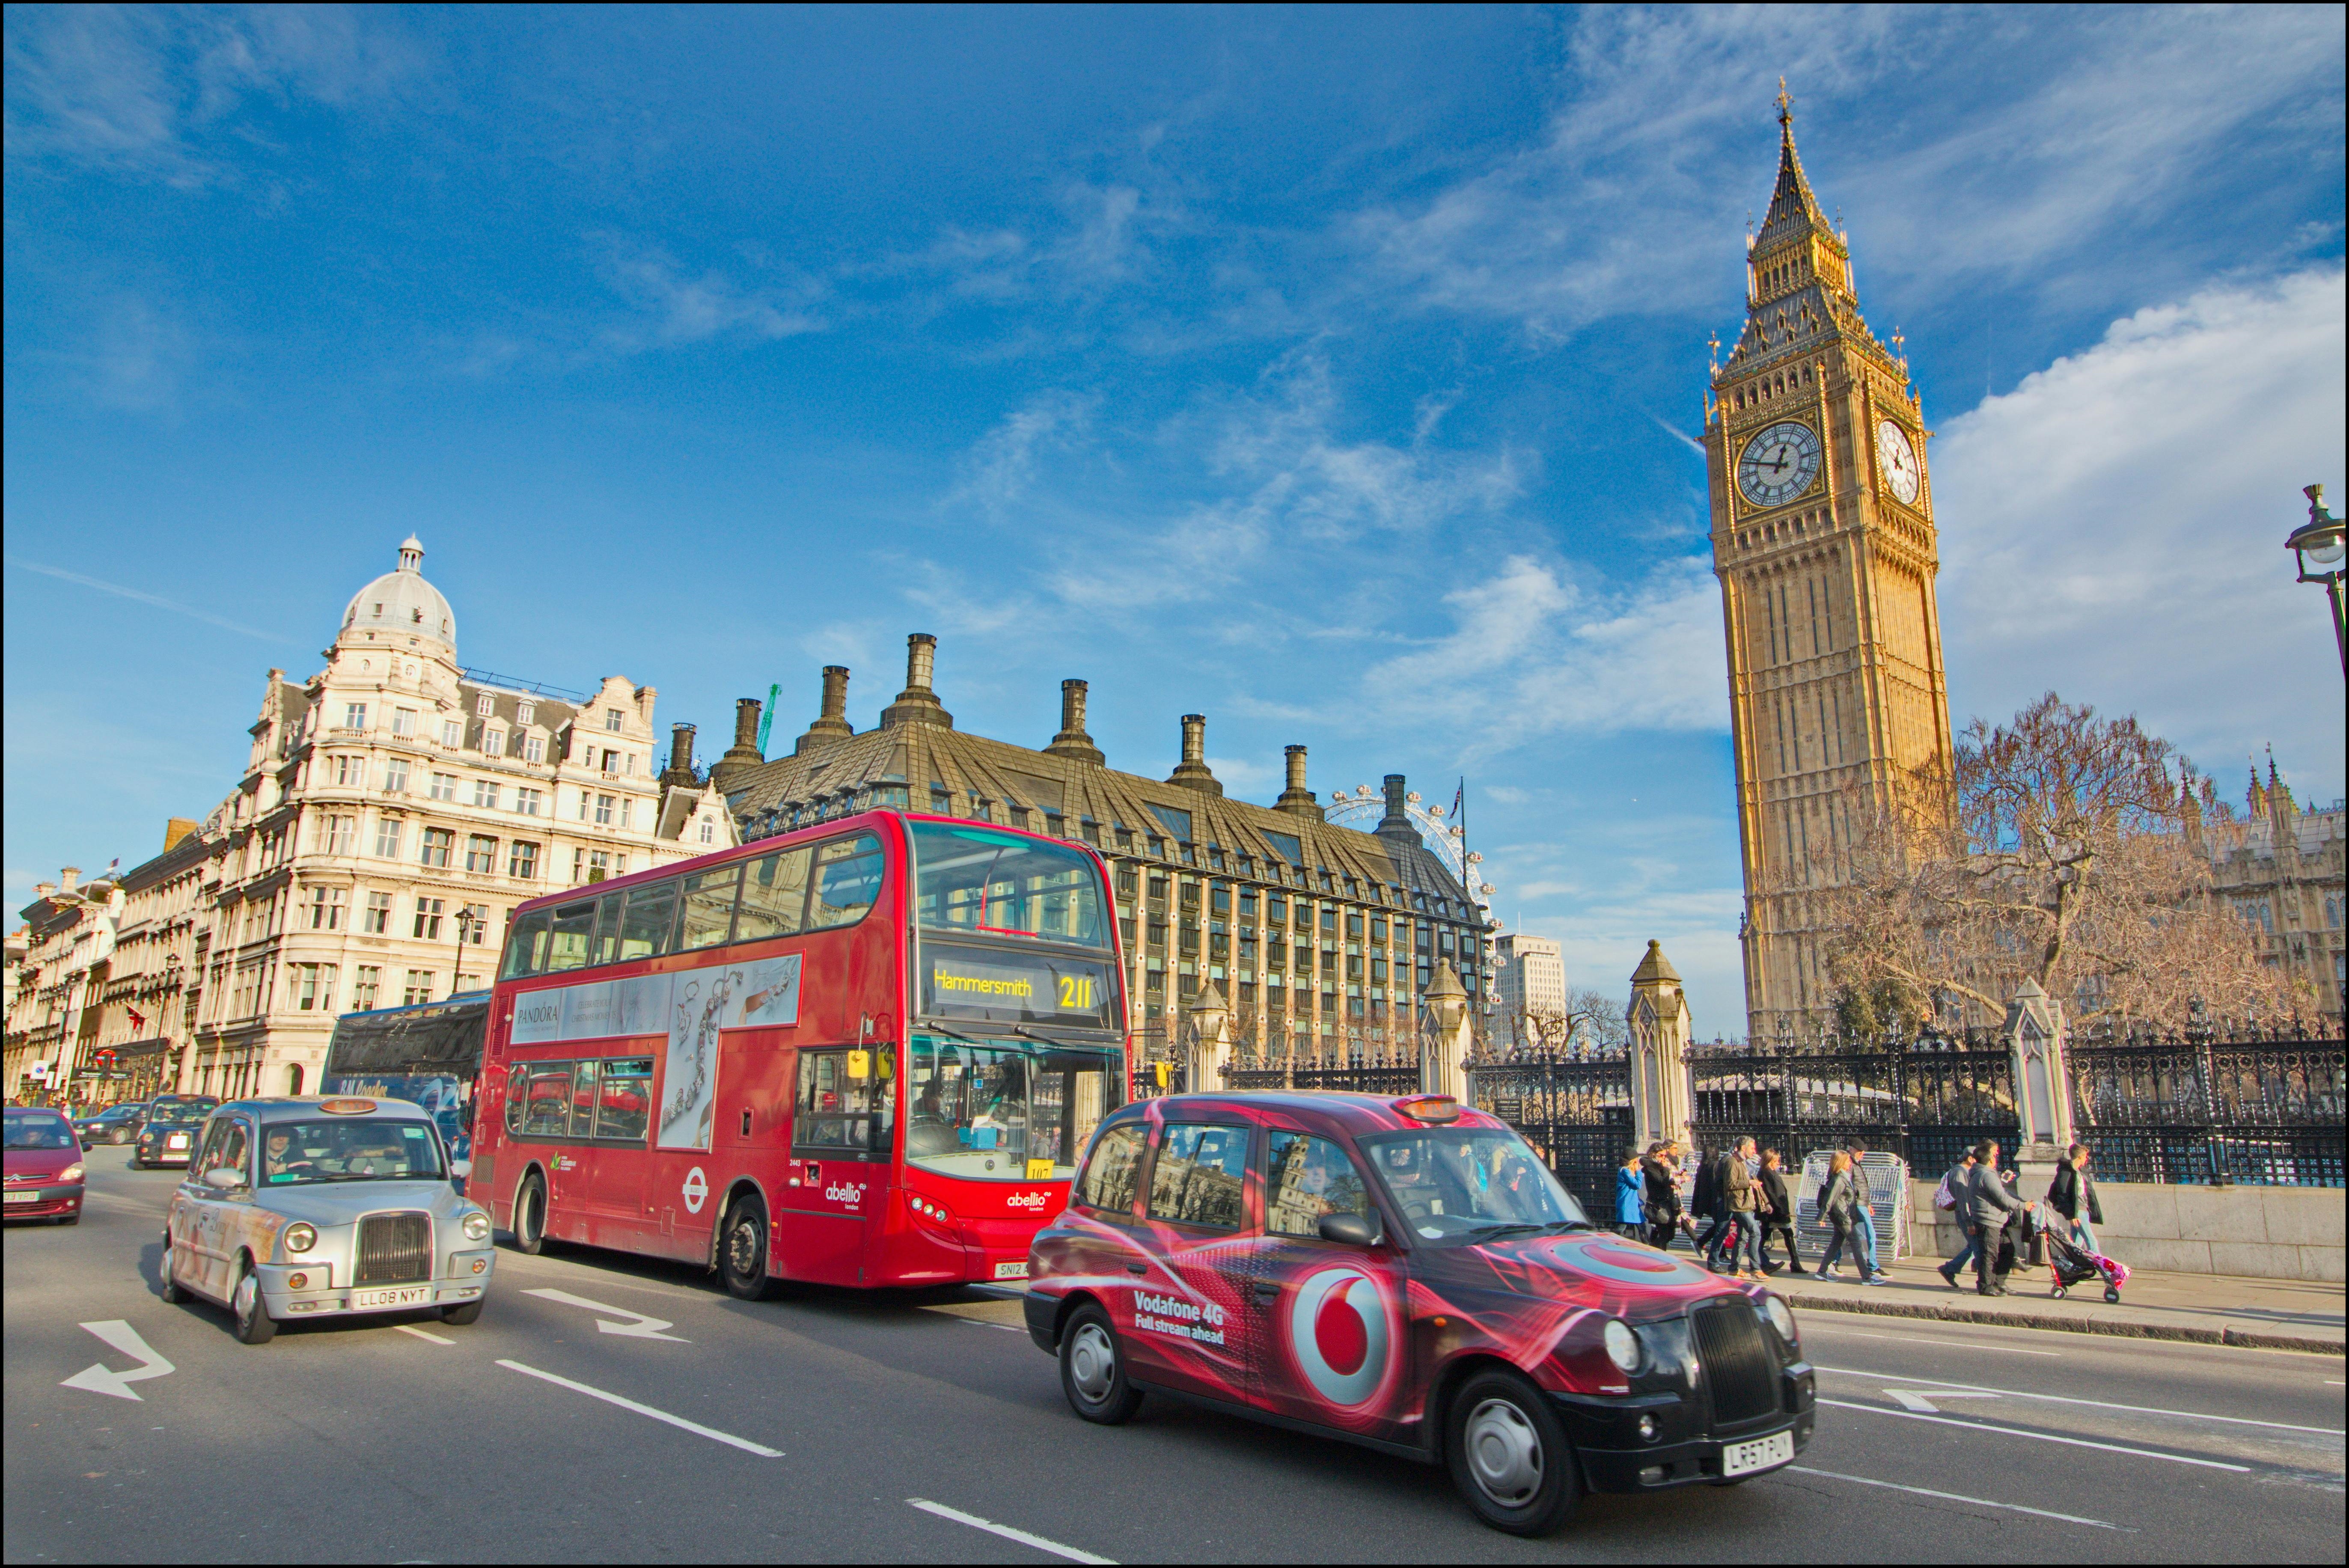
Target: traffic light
point(1160, 1069)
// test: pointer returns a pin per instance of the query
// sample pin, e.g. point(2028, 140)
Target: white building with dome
point(394, 810)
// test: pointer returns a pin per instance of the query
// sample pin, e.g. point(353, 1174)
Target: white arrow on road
point(101, 1378)
point(644, 1327)
point(1924, 1405)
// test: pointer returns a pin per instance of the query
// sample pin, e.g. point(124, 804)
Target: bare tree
point(2057, 852)
point(1591, 1023)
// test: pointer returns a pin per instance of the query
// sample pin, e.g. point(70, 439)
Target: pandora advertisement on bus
point(988, 984)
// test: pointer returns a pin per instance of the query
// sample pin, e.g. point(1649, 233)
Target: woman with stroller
point(2073, 1194)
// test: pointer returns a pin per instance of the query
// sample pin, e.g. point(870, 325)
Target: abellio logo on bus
point(849, 1192)
point(1035, 1201)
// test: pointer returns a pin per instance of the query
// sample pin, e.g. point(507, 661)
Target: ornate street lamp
point(2318, 542)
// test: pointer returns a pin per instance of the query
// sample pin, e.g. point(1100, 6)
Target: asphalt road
point(838, 1425)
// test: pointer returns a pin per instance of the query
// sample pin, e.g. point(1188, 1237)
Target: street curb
point(2115, 1327)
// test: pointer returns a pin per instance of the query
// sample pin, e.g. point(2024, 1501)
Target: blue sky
point(1328, 372)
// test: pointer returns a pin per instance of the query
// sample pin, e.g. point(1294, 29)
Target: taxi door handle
point(1268, 1290)
point(1137, 1268)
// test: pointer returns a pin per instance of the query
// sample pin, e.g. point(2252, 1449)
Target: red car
point(1407, 1274)
point(44, 1166)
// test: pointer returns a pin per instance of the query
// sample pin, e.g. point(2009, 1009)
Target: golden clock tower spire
point(1823, 539)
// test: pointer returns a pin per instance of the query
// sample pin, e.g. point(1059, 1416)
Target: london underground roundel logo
point(1338, 1331)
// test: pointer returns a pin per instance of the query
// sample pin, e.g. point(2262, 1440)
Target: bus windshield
point(973, 881)
point(1003, 1111)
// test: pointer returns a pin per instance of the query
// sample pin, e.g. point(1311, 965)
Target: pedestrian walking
point(1865, 1216)
point(1778, 1213)
point(1631, 1198)
point(2073, 1194)
point(1741, 1197)
point(1991, 1209)
point(1705, 1206)
point(1954, 1195)
point(1837, 1205)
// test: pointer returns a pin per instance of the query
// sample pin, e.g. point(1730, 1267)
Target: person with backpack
point(1778, 1213)
point(1836, 1204)
point(1990, 1210)
point(1740, 1198)
point(2073, 1194)
point(1631, 1198)
point(1952, 1196)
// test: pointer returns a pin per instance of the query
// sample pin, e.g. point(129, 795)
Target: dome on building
point(400, 603)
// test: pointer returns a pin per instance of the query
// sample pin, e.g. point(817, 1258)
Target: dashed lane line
point(2036, 1436)
point(696, 1428)
point(2093, 1404)
point(423, 1334)
point(1007, 1531)
point(1956, 1497)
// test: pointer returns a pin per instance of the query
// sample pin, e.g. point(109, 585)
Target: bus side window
point(774, 894)
point(548, 1114)
point(526, 946)
point(709, 911)
point(582, 1100)
point(836, 1102)
point(517, 1094)
point(626, 1099)
point(644, 932)
point(607, 929)
point(848, 879)
point(573, 928)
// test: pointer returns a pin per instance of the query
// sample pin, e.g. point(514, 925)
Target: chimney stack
point(1296, 798)
point(71, 876)
point(1192, 771)
point(830, 725)
point(174, 829)
point(1396, 824)
point(680, 757)
point(1072, 740)
point(918, 704)
point(744, 752)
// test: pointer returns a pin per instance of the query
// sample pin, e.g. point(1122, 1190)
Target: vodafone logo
point(1028, 1200)
point(1338, 1331)
point(849, 1192)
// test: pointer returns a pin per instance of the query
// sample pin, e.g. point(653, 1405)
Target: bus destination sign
point(1002, 987)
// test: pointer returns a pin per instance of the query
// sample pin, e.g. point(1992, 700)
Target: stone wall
point(2260, 1232)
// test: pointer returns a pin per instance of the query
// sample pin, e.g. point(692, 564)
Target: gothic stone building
point(2281, 867)
point(1321, 939)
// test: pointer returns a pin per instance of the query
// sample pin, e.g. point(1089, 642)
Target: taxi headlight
point(300, 1237)
point(1623, 1346)
point(71, 1173)
point(1781, 1316)
point(477, 1226)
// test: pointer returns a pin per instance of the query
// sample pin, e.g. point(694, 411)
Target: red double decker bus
point(869, 1053)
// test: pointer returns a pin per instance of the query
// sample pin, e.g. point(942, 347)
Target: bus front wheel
point(743, 1250)
point(529, 1217)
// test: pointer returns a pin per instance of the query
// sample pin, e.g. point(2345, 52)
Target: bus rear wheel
point(529, 1217)
point(743, 1250)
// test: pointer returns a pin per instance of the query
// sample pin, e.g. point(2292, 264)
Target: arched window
point(294, 1080)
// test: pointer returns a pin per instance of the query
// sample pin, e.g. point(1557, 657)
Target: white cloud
point(2113, 527)
point(675, 308)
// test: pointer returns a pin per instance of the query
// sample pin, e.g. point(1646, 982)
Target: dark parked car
point(168, 1134)
point(44, 1166)
point(115, 1124)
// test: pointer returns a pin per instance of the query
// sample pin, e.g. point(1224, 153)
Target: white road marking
point(423, 1334)
point(2039, 1436)
point(1954, 1496)
point(101, 1379)
point(712, 1433)
point(1810, 1324)
point(1005, 1530)
point(2098, 1404)
point(1007, 1328)
point(1913, 1400)
point(644, 1327)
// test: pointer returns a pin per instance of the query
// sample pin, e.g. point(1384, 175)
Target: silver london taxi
point(307, 1208)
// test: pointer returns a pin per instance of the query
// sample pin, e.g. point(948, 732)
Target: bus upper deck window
point(573, 928)
point(644, 930)
point(848, 879)
point(774, 896)
point(526, 946)
point(607, 928)
point(709, 911)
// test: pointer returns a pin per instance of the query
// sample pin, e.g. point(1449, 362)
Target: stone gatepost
point(2034, 1032)
point(1659, 1028)
point(1443, 1051)
point(1210, 1050)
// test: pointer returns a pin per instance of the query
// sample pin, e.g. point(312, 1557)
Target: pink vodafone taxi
point(1407, 1274)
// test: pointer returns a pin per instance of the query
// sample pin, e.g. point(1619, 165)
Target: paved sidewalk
point(2212, 1309)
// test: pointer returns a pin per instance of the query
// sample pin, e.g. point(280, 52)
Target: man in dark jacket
point(1705, 1206)
point(1989, 1209)
point(1779, 1217)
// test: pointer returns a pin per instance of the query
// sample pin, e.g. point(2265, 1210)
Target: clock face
point(1779, 464)
point(1899, 461)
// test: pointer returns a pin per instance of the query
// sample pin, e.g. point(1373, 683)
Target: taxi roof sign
point(346, 1107)
point(1429, 1107)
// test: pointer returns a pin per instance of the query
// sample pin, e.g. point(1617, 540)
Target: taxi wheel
point(530, 1217)
point(174, 1292)
point(1509, 1457)
point(470, 1311)
point(1092, 1369)
point(743, 1251)
point(253, 1324)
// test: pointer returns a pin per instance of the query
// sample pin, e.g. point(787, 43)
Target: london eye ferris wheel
point(1363, 808)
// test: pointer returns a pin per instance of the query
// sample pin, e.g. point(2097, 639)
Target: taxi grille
point(394, 1248)
point(1737, 1366)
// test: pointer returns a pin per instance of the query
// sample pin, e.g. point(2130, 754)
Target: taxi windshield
point(346, 1151)
point(1471, 1185)
point(985, 882)
point(1003, 1111)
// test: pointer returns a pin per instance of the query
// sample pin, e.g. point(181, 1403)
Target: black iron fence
point(1926, 1100)
point(2264, 1113)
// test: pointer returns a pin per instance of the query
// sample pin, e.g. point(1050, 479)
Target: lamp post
point(2318, 541)
point(465, 922)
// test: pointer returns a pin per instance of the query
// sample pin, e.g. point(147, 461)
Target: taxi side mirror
point(1349, 1230)
point(222, 1179)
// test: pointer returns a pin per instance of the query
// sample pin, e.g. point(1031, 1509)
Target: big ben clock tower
point(1823, 540)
